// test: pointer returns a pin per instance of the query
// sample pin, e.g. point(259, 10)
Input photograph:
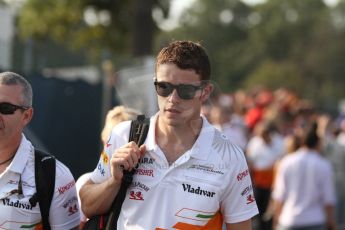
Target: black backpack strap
point(45, 184)
point(138, 134)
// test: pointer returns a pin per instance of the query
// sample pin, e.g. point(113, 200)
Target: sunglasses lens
point(163, 89)
point(186, 92)
point(7, 108)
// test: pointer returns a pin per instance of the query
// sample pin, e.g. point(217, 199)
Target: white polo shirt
point(209, 179)
point(15, 210)
point(304, 183)
point(262, 155)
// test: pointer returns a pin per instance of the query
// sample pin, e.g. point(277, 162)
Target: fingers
point(126, 157)
point(142, 150)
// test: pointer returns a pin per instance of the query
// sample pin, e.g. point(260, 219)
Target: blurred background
point(85, 56)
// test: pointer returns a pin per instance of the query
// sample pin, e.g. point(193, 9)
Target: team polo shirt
point(16, 212)
point(305, 185)
point(209, 182)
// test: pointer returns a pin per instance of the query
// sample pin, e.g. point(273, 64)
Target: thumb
point(142, 150)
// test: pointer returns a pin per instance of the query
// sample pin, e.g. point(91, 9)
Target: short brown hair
point(186, 55)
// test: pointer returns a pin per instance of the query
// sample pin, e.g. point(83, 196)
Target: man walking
point(190, 176)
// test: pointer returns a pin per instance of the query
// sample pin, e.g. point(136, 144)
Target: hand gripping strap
point(138, 134)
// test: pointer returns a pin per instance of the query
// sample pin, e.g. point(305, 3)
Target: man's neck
point(9, 147)
point(175, 141)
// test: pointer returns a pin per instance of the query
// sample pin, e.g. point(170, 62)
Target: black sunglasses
point(8, 108)
point(184, 91)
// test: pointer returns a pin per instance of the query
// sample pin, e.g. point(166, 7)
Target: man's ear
point(27, 116)
point(206, 92)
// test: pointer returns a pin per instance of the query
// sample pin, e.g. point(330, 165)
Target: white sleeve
point(238, 202)
point(119, 137)
point(328, 189)
point(64, 210)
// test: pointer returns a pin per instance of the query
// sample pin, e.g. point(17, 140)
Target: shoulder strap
point(45, 183)
point(139, 129)
point(138, 134)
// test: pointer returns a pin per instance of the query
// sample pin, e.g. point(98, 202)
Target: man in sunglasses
point(189, 176)
point(17, 175)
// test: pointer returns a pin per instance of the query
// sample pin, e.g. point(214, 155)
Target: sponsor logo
point(250, 199)
point(198, 215)
point(71, 205)
point(72, 209)
point(12, 182)
point(70, 202)
point(198, 190)
point(108, 144)
point(16, 204)
point(133, 195)
point(8, 224)
point(247, 190)
point(66, 187)
point(140, 186)
point(207, 169)
point(24, 183)
point(100, 169)
point(146, 160)
point(145, 172)
point(105, 158)
point(242, 175)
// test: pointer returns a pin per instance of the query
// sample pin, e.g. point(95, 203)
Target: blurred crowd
point(269, 125)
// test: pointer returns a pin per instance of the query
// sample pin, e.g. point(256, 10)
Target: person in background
point(221, 116)
point(334, 151)
point(264, 149)
point(292, 143)
point(304, 192)
point(17, 163)
point(184, 180)
point(114, 116)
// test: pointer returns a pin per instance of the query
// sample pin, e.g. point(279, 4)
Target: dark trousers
point(262, 197)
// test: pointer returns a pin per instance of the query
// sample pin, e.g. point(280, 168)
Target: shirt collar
point(22, 155)
point(150, 141)
point(201, 148)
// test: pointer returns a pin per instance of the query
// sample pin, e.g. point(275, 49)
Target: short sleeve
point(328, 189)
point(118, 138)
point(64, 210)
point(238, 202)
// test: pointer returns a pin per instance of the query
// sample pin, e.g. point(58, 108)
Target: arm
point(97, 198)
point(331, 223)
point(278, 206)
point(244, 225)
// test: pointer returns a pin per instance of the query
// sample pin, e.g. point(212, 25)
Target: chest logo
point(198, 190)
point(146, 160)
point(16, 204)
point(145, 172)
